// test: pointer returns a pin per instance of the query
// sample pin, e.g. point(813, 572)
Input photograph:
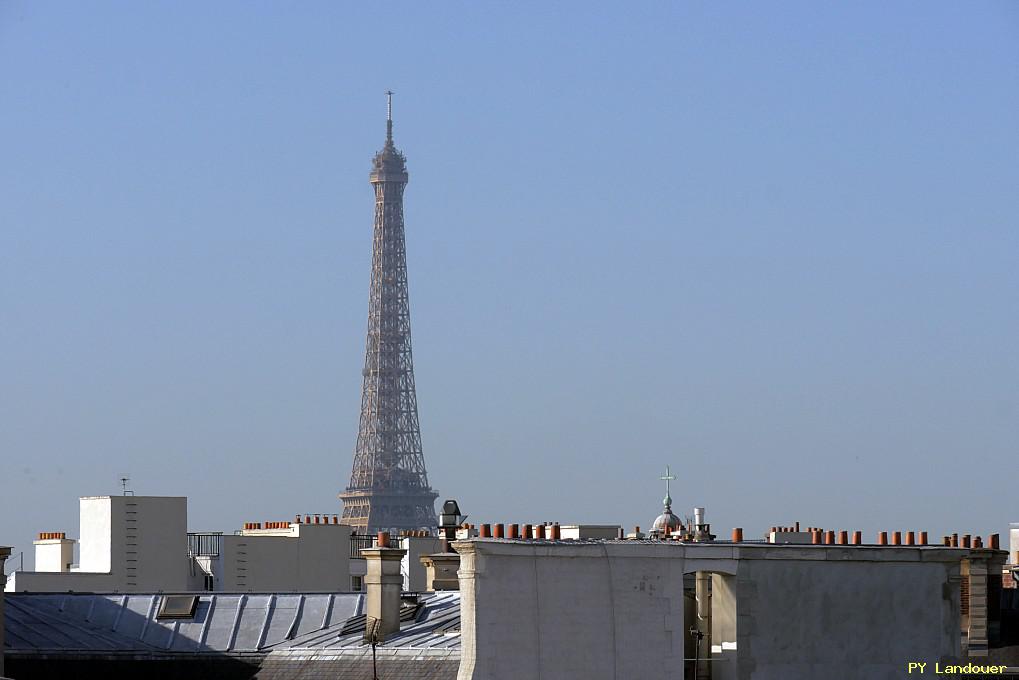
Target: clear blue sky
point(772, 244)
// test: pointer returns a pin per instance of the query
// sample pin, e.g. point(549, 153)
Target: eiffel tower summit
point(389, 488)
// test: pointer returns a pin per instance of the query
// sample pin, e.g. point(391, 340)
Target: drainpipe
point(383, 584)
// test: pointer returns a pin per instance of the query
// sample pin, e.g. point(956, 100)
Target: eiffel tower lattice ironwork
point(389, 488)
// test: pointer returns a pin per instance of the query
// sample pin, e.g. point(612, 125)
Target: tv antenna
point(123, 485)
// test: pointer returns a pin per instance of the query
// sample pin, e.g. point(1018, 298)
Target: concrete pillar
point(440, 571)
point(703, 624)
point(383, 585)
point(5, 552)
point(723, 627)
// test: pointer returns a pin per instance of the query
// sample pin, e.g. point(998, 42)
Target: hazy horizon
point(771, 246)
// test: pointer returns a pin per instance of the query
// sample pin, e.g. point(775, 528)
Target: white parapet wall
point(414, 576)
point(300, 558)
point(610, 610)
point(585, 531)
point(570, 610)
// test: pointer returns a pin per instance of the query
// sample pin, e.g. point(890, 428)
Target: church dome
point(667, 520)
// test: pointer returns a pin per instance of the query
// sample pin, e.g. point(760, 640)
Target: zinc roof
point(222, 622)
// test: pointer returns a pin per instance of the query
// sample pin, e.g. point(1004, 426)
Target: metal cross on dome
point(668, 477)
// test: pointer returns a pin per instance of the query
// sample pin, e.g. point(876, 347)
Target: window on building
point(356, 584)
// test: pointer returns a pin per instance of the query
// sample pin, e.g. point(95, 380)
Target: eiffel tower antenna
point(388, 488)
point(389, 117)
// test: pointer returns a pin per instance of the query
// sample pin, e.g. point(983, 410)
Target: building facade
point(138, 544)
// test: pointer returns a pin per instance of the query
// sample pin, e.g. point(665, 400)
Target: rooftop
point(231, 623)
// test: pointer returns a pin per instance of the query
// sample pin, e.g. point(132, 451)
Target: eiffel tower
point(388, 488)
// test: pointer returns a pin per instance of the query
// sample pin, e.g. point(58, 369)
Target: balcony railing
point(359, 542)
point(205, 545)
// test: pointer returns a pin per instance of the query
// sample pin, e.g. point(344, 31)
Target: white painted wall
point(95, 534)
point(139, 544)
point(593, 611)
point(589, 531)
point(801, 537)
point(308, 557)
point(844, 617)
point(1013, 543)
point(55, 582)
point(414, 575)
point(128, 544)
point(152, 542)
point(615, 610)
point(54, 554)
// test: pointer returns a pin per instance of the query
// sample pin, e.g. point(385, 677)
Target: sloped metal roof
point(226, 623)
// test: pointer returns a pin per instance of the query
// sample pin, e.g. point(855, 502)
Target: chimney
point(383, 584)
point(440, 571)
point(701, 529)
point(54, 552)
